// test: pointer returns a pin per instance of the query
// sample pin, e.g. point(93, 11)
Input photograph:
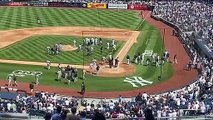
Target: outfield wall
point(130, 6)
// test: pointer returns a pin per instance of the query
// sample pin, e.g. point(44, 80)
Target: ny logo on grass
point(22, 73)
point(136, 81)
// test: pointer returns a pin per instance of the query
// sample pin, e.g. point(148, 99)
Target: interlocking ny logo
point(137, 80)
point(22, 73)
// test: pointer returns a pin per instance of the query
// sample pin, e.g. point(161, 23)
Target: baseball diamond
point(24, 41)
point(103, 60)
point(102, 48)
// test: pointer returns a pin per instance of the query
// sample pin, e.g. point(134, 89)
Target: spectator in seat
point(57, 115)
point(98, 116)
point(73, 115)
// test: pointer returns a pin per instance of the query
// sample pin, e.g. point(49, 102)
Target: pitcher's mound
point(122, 71)
point(69, 48)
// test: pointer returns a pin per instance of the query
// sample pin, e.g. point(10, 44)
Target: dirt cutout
point(9, 37)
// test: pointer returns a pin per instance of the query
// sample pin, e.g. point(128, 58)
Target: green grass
point(34, 49)
point(93, 83)
point(150, 39)
point(26, 17)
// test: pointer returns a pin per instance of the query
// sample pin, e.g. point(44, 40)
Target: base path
point(180, 78)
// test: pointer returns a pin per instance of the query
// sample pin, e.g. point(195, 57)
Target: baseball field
point(23, 45)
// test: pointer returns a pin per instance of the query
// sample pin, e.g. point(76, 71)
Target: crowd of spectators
point(191, 17)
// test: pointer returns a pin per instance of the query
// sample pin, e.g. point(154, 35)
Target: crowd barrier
point(17, 3)
point(132, 6)
point(117, 6)
point(38, 4)
point(67, 4)
point(138, 7)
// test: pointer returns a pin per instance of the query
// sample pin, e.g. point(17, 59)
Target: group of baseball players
point(13, 78)
point(113, 63)
point(56, 49)
point(154, 59)
point(90, 43)
point(68, 73)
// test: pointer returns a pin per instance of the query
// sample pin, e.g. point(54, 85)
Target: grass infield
point(34, 49)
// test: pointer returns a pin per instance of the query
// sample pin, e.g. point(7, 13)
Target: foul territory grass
point(93, 83)
point(34, 49)
point(26, 17)
point(150, 39)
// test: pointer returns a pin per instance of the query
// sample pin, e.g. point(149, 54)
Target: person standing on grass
point(80, 47)
point(74, 43)
point(48, 64)
point(108, 45)
point(59, 74)
point(175, 59)
point(36, 79)
point(128, 59)
point(83, 88)
point(38, 20)
point(84, 73)
point(101, 49)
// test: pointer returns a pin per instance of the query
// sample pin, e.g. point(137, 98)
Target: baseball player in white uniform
point(107, 45)
point(48, 64)
point(114, 47)
point(59, 74)
point(74, 43)
point(80, 47)
point(10, 78)
point(36, 79)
